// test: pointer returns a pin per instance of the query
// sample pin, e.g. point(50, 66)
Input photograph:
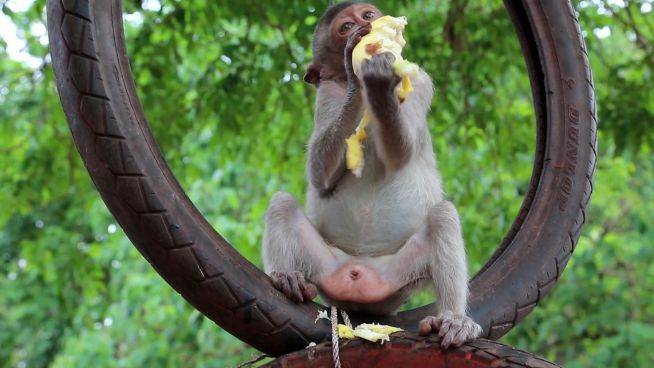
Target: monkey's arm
point(338, 110)
point(395, 145)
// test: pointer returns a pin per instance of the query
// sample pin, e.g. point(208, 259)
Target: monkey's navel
point(354, 275)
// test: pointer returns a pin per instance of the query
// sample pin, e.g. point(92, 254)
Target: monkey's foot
point(357, 283)
point(454, 329)
point(294, 286)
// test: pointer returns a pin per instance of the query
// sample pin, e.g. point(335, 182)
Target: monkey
point(366, 244)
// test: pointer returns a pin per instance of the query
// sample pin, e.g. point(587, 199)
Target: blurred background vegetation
point(221, 85)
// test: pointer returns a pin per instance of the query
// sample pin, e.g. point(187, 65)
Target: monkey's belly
point(372, 228)
point(369, 216)
point(357, 283)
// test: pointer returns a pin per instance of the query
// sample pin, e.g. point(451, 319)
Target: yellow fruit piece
point(354, 155)
point(354, 149)
point(368, 331)
point(403, 89)
point(406, 70)
point(345, 332)
point(381, 329)
point(375, 332)
point(385, 36)
point(371, 336)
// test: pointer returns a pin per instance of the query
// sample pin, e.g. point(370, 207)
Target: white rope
point(335, 340)
point(346, 318)
point(335, 348)
point(335, 343)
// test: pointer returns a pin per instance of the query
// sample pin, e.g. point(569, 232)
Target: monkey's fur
point(365, 244)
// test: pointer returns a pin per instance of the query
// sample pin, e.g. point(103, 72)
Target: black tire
point(111, 133)
point(412, 351)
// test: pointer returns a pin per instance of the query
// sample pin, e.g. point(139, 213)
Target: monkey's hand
point(454, 329)
point(352, 41)
point(294, 286)
point(378, 75)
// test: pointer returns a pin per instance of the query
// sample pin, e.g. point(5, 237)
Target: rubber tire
point(111, 133)
point(412, 351)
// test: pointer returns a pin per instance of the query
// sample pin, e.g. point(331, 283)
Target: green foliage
point(221, 85)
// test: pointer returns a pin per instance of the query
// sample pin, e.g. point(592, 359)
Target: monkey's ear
point(313, 74)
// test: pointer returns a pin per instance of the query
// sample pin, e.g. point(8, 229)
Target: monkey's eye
point(368, 15)
point(346, 27)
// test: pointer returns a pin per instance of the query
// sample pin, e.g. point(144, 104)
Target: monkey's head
point(330, 38)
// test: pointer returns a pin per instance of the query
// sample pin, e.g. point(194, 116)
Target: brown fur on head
point(327, 44)
point(327, 18)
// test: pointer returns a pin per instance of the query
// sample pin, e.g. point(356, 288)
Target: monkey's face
point(350, 19)
point(330, 40)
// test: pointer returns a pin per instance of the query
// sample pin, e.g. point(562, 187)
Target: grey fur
point(393, 219)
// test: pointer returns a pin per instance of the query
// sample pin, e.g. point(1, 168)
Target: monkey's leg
point(293, 251)
point(449, 270)
point(437, 250)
